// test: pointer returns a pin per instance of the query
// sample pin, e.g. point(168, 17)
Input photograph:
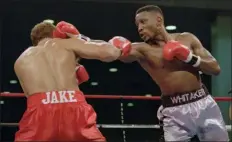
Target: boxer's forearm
point(135, 54)
point(114, 53)
point(92, 50)
point(97, 41)
point(107, 52)
point(208, 64)
point(210, 67)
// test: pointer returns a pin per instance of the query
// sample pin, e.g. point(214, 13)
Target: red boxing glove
point(81, 74)
point(62, 28)
point(121, 43)
point(174, 49)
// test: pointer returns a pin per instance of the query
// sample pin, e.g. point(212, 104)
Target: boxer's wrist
point(83, 37)
point(193, 60)
point(121, 43)
point(120, 53)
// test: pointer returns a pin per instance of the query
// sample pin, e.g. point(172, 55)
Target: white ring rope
point(119, 126)
point(129, 126)
point(140, 126)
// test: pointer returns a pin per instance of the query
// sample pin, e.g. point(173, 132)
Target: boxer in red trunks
point(56, 108)
point(173, 61)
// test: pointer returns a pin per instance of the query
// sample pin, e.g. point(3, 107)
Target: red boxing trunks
point(58, 116)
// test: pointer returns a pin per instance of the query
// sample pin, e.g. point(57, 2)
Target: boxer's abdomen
point(173, 79)
point(179, 82)
point(171, 76)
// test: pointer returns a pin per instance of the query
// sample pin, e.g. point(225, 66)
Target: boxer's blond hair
point(40, 31)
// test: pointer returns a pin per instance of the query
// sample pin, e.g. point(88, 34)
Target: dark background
point(100, 21)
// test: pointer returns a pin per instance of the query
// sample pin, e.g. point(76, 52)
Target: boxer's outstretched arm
point(134, 55)
point(90, 50)
point(208, 64)
point(85, 37)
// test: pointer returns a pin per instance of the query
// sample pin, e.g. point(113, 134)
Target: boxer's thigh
point(25, 133)
point(175, 132)
point(91, 132)
point(36, 124)
point(211, 123)
point(177, 123)
point(84, 125)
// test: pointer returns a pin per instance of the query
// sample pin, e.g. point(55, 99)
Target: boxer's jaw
point(145, 37)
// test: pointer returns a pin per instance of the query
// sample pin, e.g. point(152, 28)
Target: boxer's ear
point(159, 20)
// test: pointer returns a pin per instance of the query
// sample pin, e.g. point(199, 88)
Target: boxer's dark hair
point(149, 8)
point(41, 31)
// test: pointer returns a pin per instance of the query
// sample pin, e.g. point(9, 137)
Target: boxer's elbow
point(216, 69)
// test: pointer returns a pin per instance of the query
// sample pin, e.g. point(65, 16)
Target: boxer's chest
point(154, 58)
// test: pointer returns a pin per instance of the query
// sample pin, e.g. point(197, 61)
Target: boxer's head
point(41, 31)
point(149, 20)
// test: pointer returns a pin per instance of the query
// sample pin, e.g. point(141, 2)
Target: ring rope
point(116, 126)
point(222, 99)
point(121, 126)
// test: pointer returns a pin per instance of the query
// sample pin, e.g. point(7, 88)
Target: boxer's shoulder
point(23, 55)
point(28, 51)
point(184, 35)
point(186, 38)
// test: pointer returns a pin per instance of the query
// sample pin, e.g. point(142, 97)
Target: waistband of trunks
point(184, 98)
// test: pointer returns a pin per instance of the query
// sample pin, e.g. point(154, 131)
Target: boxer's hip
point(64, 115)
point(58, 107)
point(186, 107)
point(188, 114)
point(184, 98)
point(55, 98)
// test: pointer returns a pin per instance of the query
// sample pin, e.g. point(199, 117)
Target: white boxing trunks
point(189, 114)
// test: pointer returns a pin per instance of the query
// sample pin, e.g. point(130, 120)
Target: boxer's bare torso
point(171, 76)
point(50, 66)
point(46, 67)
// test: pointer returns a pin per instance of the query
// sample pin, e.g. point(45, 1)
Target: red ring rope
point(222, 99)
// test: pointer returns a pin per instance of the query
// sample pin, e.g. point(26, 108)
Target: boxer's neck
point(162, 37)
point(43, 41)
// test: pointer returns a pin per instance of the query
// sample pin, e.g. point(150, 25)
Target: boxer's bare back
point(171, 76)
point(46, 67)
point(50, 66)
